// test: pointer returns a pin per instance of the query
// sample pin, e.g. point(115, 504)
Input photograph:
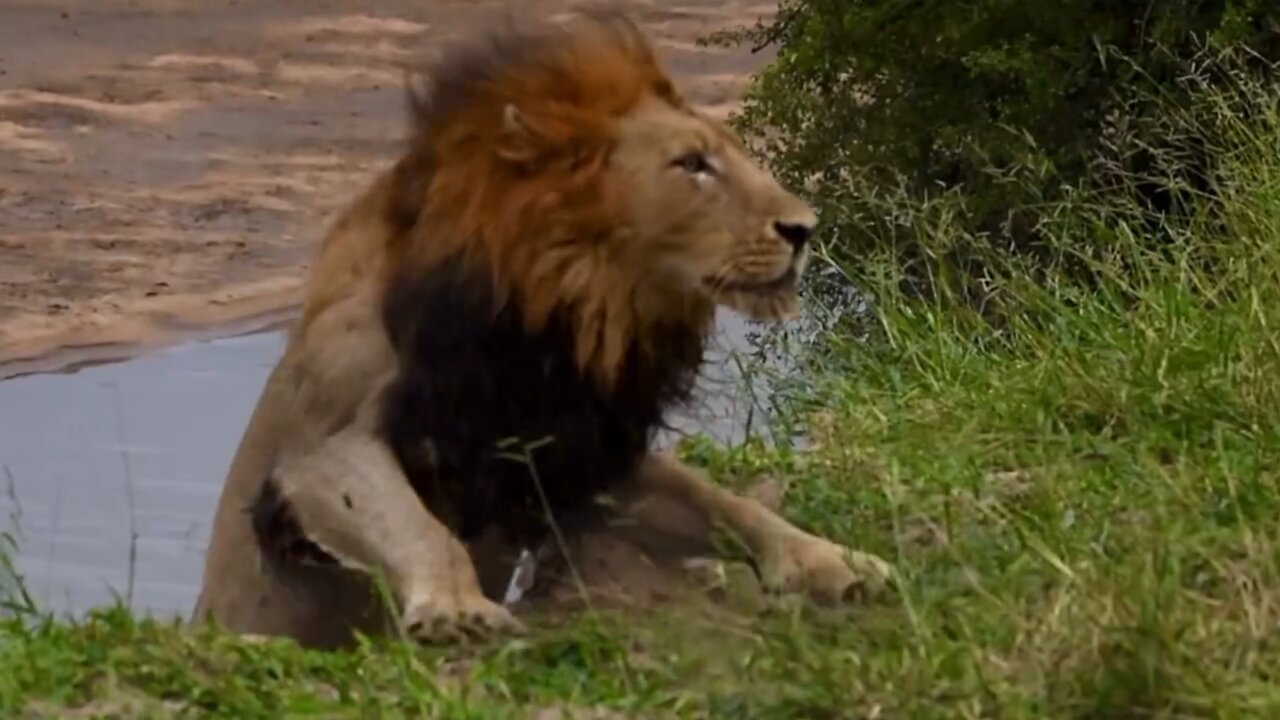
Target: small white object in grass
point(521, 577)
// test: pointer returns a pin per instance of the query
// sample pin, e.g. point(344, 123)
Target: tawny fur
point(567, 166)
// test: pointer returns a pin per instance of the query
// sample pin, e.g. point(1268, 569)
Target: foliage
point(997, 106)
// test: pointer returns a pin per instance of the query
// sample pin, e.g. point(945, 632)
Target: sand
point(168, 165)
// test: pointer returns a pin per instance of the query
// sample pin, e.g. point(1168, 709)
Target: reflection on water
point(111, 473)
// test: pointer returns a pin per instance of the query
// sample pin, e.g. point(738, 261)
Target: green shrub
point(900, 116)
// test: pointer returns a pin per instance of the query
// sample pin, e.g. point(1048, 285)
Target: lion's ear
point(518, 142)
point(418, 94)
point(513, 122)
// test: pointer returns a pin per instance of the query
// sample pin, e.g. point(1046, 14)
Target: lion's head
point(563, 158)
point(703, 218)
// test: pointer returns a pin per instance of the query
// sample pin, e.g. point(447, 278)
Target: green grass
point(1083, 505)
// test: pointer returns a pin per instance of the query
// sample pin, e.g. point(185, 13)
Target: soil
point(168, 165)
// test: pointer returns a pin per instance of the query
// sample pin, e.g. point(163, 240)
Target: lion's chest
point(490, 422)
point(480, 432)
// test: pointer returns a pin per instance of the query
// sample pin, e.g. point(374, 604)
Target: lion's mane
point(529, 374)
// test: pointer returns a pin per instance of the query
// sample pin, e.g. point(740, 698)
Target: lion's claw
point(827, 572)
point(471, 617)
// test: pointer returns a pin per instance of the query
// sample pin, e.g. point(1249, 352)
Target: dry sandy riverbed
point(167, 165)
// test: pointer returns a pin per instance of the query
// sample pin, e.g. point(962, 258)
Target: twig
point(123, 439)
point(526, 456)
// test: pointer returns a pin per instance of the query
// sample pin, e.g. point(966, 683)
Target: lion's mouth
point(784, 281)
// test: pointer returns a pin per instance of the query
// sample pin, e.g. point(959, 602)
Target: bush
point(899, 115)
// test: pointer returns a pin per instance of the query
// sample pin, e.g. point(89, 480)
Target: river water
point(111, 472)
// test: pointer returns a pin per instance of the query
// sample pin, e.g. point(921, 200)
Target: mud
point(170, 164)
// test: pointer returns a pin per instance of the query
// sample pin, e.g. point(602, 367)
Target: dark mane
point(478, 394)
point(532, 203)
point(499, 357)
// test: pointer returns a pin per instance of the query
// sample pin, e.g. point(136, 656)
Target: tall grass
point(1080, 475)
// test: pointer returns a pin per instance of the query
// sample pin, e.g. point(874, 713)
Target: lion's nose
point(795, 233)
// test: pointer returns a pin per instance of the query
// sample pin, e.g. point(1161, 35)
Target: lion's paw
point(827, 572)
point(465, 617)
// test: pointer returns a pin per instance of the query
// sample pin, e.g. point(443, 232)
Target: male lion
point(490, 337)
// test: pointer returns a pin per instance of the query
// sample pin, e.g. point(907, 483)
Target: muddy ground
point(170, 164)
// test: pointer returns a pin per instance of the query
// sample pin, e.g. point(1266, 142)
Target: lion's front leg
point(672, 501)
point(349, 498)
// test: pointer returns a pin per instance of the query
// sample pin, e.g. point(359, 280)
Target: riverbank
point(169, 166)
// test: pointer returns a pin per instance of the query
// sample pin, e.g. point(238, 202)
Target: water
point(111, 473)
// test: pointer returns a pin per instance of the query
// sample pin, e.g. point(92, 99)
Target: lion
point(491, 336)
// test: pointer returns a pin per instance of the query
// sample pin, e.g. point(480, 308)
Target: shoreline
point(181, 188)
point(73, 349)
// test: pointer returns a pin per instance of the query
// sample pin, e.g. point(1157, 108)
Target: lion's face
point(704, 218)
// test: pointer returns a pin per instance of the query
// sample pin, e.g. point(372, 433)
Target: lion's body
point(329, 367)
point(494, 330)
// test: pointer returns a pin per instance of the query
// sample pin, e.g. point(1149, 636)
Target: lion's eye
point(694, 163)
